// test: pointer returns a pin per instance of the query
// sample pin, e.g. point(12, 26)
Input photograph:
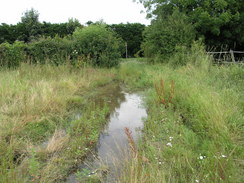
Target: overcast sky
point(57, 11)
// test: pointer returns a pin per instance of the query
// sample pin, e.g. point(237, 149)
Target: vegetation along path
point(51, 118)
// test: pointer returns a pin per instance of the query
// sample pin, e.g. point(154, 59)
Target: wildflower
point(86, 149)
point(201, 157)
point(223, 156)
point(171, 138)
point(197, 181)
point(169, 144)
point(160, 163)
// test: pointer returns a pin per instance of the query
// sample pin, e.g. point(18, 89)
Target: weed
point(131, 142)
point(163, 98)
point(34, 166)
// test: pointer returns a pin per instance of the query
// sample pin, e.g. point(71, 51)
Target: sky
point(59, 11)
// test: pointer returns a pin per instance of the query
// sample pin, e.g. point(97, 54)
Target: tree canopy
point(30, 28)
point(219, 22)
point(163, 36)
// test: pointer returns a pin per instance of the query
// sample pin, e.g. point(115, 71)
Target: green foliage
point(219, 22)
point(131, 33)
point(194, 55)
point(164, 34)
point(8, 33)
point(134, 75)
point(11, 54)
point(30, 29)
point(31, 24)
point(72, 25)
point(98, 44)
point(38, 131)
point(34, 165)
point(49, 50)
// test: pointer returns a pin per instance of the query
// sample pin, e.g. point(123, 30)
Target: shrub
point(194, 55)
point(99, 44)
point(11, 54)
point(52, 50)
point(165, 33)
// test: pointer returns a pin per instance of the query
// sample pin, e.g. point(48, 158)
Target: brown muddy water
point(112, 150)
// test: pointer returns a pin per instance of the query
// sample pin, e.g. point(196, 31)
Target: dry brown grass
point(57, 141)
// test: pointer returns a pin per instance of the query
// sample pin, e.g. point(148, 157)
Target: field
point(193, 133)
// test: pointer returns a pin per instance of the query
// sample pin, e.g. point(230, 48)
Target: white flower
point(171, 138)
point(201, 157)
point(86, 149)
point(169, 144)
point(197, 181)
point(160, 163)
point(223, 156)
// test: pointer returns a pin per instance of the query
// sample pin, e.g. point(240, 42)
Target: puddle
point(112, 148)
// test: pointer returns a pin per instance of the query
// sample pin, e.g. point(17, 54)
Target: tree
point(164, 34)
point(72, 25)
point(31, 25)
point(212, 19)
point(131, 33)
point(97, 44)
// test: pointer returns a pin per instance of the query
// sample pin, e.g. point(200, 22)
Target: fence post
point(126, 50)
point(232, 56)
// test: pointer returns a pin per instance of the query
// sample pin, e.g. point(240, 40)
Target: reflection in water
point(110, 94)
point(112, 148)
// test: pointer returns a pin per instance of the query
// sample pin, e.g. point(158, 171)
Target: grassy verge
point(49, 120)
point(195, 123)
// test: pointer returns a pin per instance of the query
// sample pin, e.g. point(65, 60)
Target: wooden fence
point(229, 57)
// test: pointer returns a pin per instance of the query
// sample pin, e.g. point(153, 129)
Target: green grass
point(39, 139)
point(196, 138)
point(199, 136)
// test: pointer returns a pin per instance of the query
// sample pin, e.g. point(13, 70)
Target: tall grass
point(193, 132)
point(36, 103)
point(198, 137)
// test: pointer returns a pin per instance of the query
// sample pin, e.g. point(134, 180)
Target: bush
point(11, 55)
point(165, 33)
point(98, 44)
point(52, 50)
point(194, 55)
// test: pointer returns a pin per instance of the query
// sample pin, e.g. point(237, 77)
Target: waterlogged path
point(112, 149)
